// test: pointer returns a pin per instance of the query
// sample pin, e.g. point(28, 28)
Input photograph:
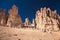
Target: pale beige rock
point(55, 24)
point(33, 25)
point(13, 17)
point(47, 20)
point(33, 22)
point(27, 22)
point(49, 12)
point(2, 17)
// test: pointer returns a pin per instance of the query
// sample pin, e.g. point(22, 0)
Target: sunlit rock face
point(59, 21)
point(2, 17)
point(27, 22)
point(33, 24)
point(13, 17)
point(47, 20)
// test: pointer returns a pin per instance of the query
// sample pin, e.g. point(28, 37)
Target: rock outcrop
point(47, 20)
point(2, 17)
point(13, 17)
point(33, 24)
point(27, 22)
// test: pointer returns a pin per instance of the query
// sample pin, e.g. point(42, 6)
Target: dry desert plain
point(8, 33)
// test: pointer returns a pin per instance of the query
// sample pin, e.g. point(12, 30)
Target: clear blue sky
point(27, 8)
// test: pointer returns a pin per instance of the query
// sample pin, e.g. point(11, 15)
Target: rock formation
point(59, 22)
point(47, 20)
point(33, 25)
point(2, 17)
point(27, 22)
point(13, 17)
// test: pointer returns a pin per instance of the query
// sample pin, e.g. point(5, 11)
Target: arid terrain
point(8, 33)
point(45, 25)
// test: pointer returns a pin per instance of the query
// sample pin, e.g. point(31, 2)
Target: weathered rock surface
point(2, 17)
point(47, 20)
point(33, 23)
point(13, 17)
point(27, 22)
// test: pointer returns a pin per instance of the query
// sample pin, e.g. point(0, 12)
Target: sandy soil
point(8, 33)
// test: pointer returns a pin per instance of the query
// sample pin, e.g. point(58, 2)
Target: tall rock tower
point(13, 17)
point(47, 20)
point(27, 22)
point(33, 25)
point(2, 17)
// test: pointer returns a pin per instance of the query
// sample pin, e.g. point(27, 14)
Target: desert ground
point(8, 33)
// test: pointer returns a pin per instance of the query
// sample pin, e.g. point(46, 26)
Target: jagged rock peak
point(27, 22)
point(2, 11)
point(2, 17)
point(47, 12)
point(13, 10)
point(14, 18)
point(47, 20)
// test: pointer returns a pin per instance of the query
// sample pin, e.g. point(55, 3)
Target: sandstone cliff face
point(47, 20)
point(13, 17)
point(2, 17)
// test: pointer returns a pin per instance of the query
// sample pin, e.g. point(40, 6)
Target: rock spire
point(13, 17)
point(47, 20)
